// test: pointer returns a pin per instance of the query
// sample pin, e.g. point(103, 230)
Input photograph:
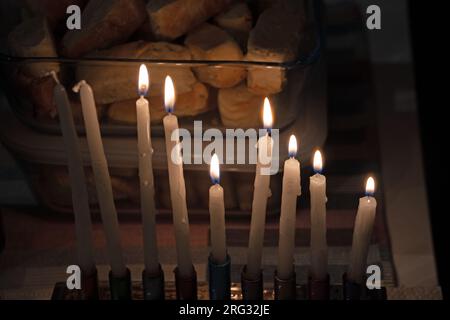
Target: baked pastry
point(187, 104)
point(276, 37)
point(104, 24)
point(113, 82)
point(209, 42)
point(240, 108)
point(171, 19)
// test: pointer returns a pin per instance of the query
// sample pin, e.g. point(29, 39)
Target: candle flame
point(143, 80)
point(370, 186)
point(267, 114)
point(169, 94)
point(214, 170)
point(292, 146)
point(318, 162)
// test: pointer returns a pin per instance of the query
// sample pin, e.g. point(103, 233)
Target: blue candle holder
point(219, 276)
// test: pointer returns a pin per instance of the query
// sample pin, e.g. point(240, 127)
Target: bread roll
point(188, 104)
point(33, 38)
point(104, 23)
point(209, 42)
point(237, 21)
point(240, 108)
point(54, 11)
point(275, 38)
point(171, 19)
point(39, 91)
point(119, 81)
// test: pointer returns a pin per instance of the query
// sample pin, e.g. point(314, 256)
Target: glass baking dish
point(43, 158)
point(197, 100)
point(31, 130)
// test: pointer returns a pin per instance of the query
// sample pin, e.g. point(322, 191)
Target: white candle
point(146, 175)
point(365, 219)
point(217, 214)
point(80, 200)
point(260, 196)
point(319, 250)
point(291, 190)
point(176, 182)
point(102, 180)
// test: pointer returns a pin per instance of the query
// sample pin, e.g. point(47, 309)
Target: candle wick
point(55, 77)
point(77, 87)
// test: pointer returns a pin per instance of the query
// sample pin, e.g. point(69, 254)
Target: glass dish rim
point(302, 61)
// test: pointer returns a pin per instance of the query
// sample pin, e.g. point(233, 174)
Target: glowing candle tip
point(318, 162)
point(267, 115)
point(292, 146)
point(214, 170)
point(143, 80)
point(169, 94)
point(370, 187)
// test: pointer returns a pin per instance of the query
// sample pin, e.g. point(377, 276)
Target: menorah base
point(60, 292)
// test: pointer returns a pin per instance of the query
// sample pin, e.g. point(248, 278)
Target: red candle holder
point(252, 289)
point(285, 289)
point(186, 287)
point(319, 289)
point(89, 285)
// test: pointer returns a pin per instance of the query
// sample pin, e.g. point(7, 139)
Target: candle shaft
point(178, 198)
point(217, 216)
point(286, 245)
point(259, 205)
point(147, 187)
point(319, 250)
point(102, 181)
point(365, 219)
point(80, 200)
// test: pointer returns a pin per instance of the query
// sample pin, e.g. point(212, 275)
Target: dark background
point(427, 21)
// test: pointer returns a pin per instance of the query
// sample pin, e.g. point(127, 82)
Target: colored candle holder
point(89, 285)
point(285, 289)
point(219, 276)
point(120, 287)
point(153, 284)
point(319, 289)
point(251, 289)
point(186, 287)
